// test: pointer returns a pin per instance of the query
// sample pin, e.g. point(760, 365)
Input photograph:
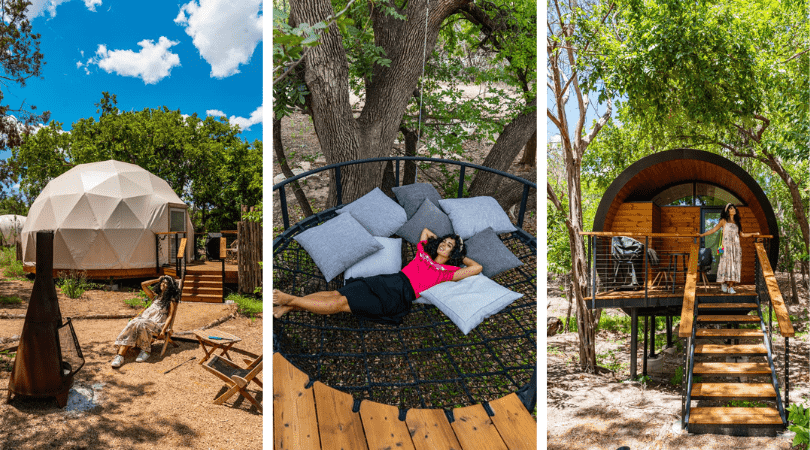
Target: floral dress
point(730, 262)
point(139, 331)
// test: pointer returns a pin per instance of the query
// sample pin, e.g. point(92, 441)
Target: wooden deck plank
point(517, 427)
point(735, 416)
point(294, 423)
point(688, 308)
point(728, 305)
point(722, 368)
point(713, 318)
point(728, 333)
point(340, 428)
point(740, 349)
point(733, 390)
point(475, 430)
point(383, 428)
point(430, 430)
point(785, 327)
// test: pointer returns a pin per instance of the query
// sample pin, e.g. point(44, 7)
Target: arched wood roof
point(647, 177)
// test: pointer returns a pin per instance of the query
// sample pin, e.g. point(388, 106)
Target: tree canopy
point(203, 160)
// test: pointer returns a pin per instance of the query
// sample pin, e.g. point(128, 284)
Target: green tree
point(203, 160)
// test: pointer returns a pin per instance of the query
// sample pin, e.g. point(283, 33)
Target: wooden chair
point(167, 337)
point(235, 377)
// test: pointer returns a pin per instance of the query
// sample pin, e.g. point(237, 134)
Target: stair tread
point(739, 333)
point(735, 416)
point(733, 390)
point(728, 305)
point(739, 349)
point(714, 368)
point(726, 318)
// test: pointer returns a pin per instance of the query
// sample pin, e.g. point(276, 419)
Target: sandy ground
point(137, 406)
point(607, 411)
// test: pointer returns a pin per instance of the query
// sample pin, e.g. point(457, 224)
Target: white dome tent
point(106, 217)
point(11, 226)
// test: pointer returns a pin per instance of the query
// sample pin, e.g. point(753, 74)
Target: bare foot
point(280, 298)
point(279, 311)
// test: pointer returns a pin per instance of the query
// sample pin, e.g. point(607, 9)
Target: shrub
point(140, 301)
point(248, 306)
point(800, 424)
point(12, 300)
point(8, 261)
point(74, 283)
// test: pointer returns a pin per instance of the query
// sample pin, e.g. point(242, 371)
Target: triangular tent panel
point(11, 226)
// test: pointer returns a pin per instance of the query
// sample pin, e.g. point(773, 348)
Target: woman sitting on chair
point(387, 298)
point(152, 321)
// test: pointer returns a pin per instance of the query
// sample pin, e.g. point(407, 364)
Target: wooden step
point(735, 416)
point(733, 391)
point(722, 368)
point(206, 298)
point(209, 291)
point(704, 318)
point(726, 350)
point(727, 333)
point(728, 305)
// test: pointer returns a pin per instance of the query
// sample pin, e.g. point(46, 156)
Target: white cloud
point(244, 124)
point(39, 7)
point(224, 32)
point(153, 63)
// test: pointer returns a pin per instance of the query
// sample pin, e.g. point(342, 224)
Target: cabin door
point(177, 222)
point(709, 218)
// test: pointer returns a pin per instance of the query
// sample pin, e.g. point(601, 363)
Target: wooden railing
point(782, 315)
point(688, 308)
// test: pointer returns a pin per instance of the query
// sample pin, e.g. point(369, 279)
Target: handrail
point(688, 308)
point(634, 234)
point(782, 316)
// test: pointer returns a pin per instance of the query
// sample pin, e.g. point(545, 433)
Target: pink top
point(424, 273)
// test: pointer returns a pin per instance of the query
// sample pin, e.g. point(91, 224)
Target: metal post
point(683, 384)
point(669, 331)
point(646, 271)
point(461, 181)
point(338, 186)
point(633, 342)
point(396, 172)
point(157, 254)
point(787, 372)
point(282, 196)
point(652, 337)
point(523, 201)
point(644, 361)
point(593, 272)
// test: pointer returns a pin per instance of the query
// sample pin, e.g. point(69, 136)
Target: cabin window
point(695, 194)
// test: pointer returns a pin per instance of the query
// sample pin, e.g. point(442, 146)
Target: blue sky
point(198, 56)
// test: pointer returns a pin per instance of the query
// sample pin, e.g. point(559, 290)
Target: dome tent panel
point(105, 216)
point(11, 226)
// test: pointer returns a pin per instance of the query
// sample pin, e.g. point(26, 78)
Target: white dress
point(730, 262)
point(138, 332)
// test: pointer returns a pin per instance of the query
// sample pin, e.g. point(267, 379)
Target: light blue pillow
point(384, 262)
point(472, 215)
point(469, 301)
point(338, 244)
point(411, 196)
point(428, 216)
point(380, 215)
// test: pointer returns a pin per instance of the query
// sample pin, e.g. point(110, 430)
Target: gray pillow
point(428, 216)
point(411, 196)
point(386, 261)
point(469, 301)
point(337, 244)
point(471, 215)
point(486, 249)
point(380, 215)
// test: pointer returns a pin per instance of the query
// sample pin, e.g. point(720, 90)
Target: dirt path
point(607, 411)
point(137, 406)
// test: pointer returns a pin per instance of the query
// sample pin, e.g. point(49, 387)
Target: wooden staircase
point(738, 391)
point(203, 287)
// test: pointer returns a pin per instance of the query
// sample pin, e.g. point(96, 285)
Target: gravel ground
point(137, 406)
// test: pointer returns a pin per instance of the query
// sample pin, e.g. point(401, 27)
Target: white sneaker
point(143, 356)
point(731, 290)
point(118, 361)
point(723, 287)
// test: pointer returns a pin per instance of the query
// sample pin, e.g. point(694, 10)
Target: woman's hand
point(473, 268)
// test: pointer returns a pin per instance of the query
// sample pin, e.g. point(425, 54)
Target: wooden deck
point(321, 417)
point(661, 296)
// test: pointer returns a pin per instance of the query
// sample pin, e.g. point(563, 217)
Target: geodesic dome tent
point(106, 217)
point(11, 226)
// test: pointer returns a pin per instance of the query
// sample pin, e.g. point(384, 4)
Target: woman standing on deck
point(728, 271)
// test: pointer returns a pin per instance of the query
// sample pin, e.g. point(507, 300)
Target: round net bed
point(426, 362)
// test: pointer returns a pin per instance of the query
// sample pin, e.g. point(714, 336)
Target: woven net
point(425, 362)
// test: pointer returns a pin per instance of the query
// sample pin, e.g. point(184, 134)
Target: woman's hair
point(725, 215)
point(456, 256)
point(171, 294)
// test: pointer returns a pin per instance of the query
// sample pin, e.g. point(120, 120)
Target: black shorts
point(382, 298)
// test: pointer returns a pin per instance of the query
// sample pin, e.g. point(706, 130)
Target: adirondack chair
point(235, 377)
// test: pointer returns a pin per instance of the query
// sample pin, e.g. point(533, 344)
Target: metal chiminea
point(49, 353)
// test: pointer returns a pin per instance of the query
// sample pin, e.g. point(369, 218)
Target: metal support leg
point(633, 343)
point(669, 331)
point(787, 372)
point(652, 337)
point(644, 360)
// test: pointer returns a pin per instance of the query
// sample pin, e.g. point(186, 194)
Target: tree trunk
point(278, 147)
point(529, 159)
point(411, 138)
point(795, 196)
point(569, 295)
point(388, 91)
point(794, 293)
point(508, 145)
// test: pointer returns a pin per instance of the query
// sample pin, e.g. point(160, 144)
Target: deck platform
point(658, 296)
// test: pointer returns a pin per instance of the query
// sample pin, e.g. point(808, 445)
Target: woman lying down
point(388, 298)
